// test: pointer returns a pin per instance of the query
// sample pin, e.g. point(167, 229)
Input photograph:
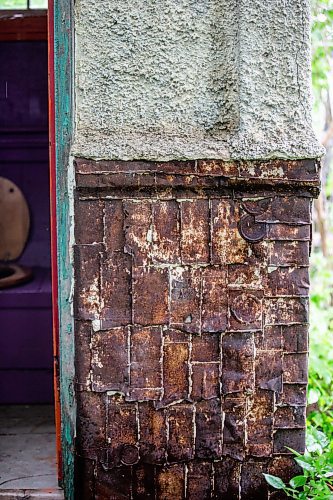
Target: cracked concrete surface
point(28, 453)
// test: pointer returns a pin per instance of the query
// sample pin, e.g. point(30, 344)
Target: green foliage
point(315, 483)
point(275, 482)
point(316, 480)
point(13, 4)
point(22, 4)
point(322, 44)
point(320, 393)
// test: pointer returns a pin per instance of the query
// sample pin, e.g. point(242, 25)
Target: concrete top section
point(187, 79)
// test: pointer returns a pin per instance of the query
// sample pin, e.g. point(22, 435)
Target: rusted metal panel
point(284, 467)
point(214, 303)
point(253, 484)
point(180, 433)
point(185, 299)
point(195, 235)
point(191, 334)
point(115, 483)
point(199, 480)
point(122, 433)
point(218, 167)
point(176, 383)
point(114, 219)
point(288, 253)
point(237, 362)
point(109, 360)
point(116, 288)
point(150, 296)
point(177, 336)
point(270, 339)
point(138, 230)
point(209, 428)
point(143, 482)
point(82, 355)
point(288, 417)
point(91, 421)
point(170, 482)
point(153, 433)
point(243, 175)
point(235, 410)
point(84, 477)
point(146, 364)
point(205, 381)
point(228, 247)
point(246, 310)
point(286, 311)
point(290, 281)
point(287, 210)
point(289, 232)
point(259, 439)
point(206, 348)
point(87, 274)
point(165, 232)
point(247, 275)
point(284, 439)
point(295, 338)
point(307, 170)
point(227, 479)
point(89, 228)
point(268, 370)
point(293, 394)
point(205, 367)
point(295, 368)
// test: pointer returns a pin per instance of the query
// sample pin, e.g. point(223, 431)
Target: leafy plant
point(320, 392)
point(322, 45)
point(316, 481)
point(22, 4)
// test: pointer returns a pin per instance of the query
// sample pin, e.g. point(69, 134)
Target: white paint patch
point(96, 325)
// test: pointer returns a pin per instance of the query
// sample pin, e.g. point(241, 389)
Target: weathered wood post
point(195, 168)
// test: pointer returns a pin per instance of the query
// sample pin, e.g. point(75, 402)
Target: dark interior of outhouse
point(27, 435)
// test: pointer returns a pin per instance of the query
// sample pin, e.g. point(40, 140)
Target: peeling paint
point(197, 352)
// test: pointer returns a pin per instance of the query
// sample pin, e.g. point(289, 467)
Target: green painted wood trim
point(64, 105)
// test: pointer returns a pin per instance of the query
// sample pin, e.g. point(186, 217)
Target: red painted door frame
point(36, 25)
point(54, 252)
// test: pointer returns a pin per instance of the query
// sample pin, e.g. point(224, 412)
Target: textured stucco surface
point(193, 79)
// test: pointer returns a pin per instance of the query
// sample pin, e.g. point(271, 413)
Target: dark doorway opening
point(27, 431)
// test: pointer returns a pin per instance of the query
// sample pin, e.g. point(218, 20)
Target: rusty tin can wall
point(191, 333)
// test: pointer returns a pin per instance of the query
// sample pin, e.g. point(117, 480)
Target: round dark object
point(130, 454)
point(251, 230)
point(246, 308)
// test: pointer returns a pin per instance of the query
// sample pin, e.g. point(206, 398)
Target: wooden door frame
point(26, 25)
point(61, 105)
point(56, 28)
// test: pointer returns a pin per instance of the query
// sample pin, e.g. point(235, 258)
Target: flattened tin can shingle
point(191, 309)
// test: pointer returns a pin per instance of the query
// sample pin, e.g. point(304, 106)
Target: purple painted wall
point(26, 325)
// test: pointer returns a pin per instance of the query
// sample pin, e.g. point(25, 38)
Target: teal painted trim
point(64, 105)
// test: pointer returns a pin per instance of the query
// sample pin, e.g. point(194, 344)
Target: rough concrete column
point(195, 168)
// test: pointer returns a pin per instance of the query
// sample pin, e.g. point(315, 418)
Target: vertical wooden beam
point(54, 263)
point(61, 106)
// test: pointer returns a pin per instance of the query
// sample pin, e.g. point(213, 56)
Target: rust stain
point(191, 313)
